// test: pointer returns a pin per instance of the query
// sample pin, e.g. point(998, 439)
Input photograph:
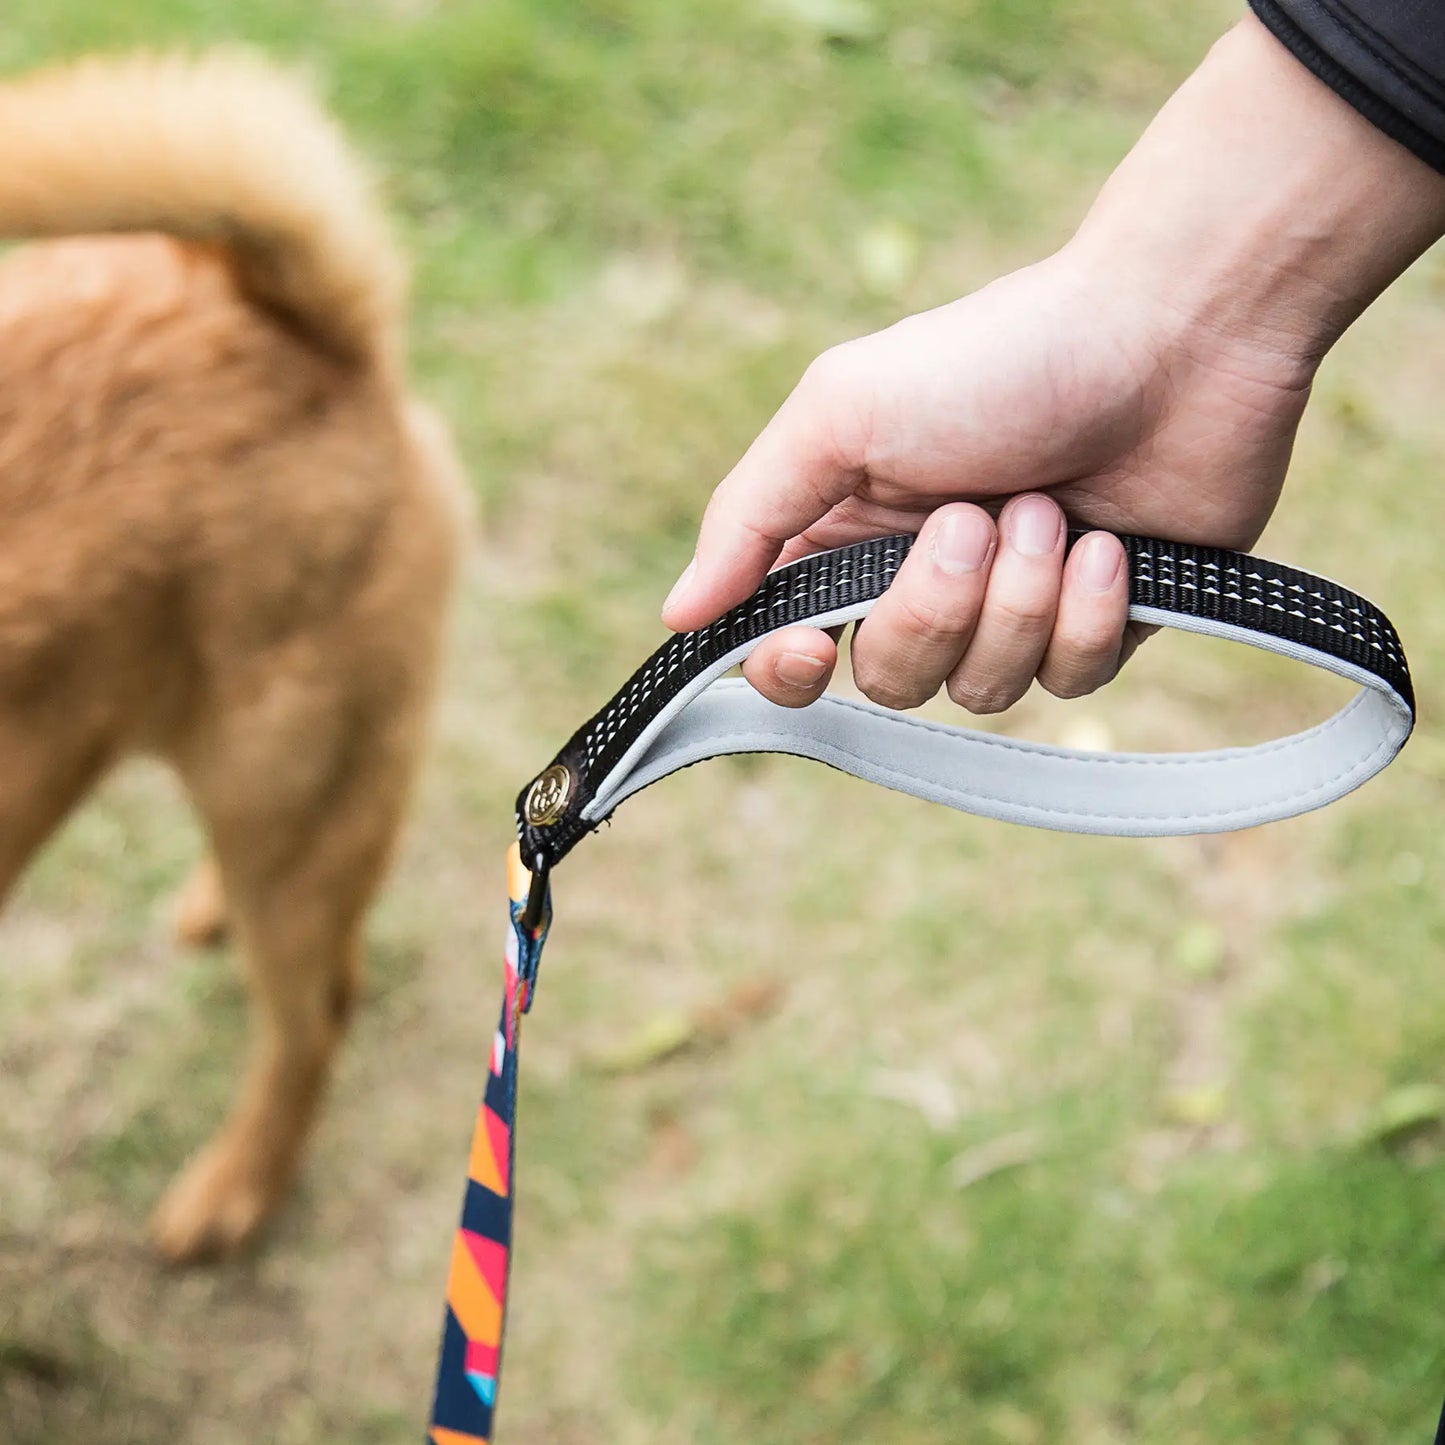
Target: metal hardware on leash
point(534, 911)
point(548, 797)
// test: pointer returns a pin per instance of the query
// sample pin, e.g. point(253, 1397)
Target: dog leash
point(677, 710)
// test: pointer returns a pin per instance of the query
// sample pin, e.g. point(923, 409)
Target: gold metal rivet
point(547, 797)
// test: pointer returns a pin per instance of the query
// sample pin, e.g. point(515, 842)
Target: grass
point(633, 223)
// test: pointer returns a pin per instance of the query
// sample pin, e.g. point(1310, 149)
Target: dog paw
point(200, 910)
point(212, 1209)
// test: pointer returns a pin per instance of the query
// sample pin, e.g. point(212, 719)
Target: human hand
point(1147, 378)
point(1046, 384)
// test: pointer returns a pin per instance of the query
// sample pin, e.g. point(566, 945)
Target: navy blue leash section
point(678, 709)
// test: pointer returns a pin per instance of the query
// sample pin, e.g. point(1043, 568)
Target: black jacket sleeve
point(1385, 57)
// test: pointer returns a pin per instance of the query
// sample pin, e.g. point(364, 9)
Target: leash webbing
point(471, 1349)
point(677, 710)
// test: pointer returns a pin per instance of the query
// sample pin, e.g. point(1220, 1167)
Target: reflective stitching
point(832, 574)
point(830, 579)
point(1266, 593)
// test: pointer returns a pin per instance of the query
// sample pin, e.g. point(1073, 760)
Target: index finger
point(802, 464)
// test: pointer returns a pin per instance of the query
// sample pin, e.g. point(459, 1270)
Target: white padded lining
point(1129, 794)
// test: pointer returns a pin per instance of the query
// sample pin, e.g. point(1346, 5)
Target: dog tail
point(220, 148)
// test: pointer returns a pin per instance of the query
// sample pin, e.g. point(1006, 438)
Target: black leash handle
point(1206, 588)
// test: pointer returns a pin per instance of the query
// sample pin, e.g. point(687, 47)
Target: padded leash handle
point(676, 710)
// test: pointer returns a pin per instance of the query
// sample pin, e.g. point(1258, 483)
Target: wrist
point(1260, 214)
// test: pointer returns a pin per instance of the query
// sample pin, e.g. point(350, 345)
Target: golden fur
point(226, 537)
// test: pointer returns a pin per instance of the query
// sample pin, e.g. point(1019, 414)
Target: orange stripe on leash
point(438, 1436)
point(491, 1143)
point(478, 1310)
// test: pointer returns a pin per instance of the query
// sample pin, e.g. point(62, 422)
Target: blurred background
point(844, 1118)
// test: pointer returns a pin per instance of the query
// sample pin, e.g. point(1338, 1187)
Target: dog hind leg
point(44, 772)
point(199, 915)
point(299, 865)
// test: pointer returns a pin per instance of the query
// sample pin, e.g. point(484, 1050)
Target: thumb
point(807, 459)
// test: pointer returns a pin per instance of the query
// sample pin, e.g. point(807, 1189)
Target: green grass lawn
point(633, 223)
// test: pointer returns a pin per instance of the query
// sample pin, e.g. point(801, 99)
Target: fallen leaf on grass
point(1403, 1112)
point(841, 22)
point(655, 1039)
point(749, 1002)
point(670, 1032)
point(1196, 1108)
point(922, 1089)
point(1199, 951)
point(993, 1156)
point(1323, 1275)
point(887, 255)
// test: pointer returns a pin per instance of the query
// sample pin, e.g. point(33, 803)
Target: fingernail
point(1034, 525)
point(962, 543)
point(681, 585)
point(1099, 566)
point(798, 669)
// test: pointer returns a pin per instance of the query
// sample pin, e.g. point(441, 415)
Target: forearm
point(1260, 211)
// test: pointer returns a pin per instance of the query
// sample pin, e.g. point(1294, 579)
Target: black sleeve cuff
point(1390, 66)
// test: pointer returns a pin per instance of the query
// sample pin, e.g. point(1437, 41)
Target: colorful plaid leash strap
point(678, 709)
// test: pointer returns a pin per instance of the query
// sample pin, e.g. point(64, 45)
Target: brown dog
point(226, 537)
